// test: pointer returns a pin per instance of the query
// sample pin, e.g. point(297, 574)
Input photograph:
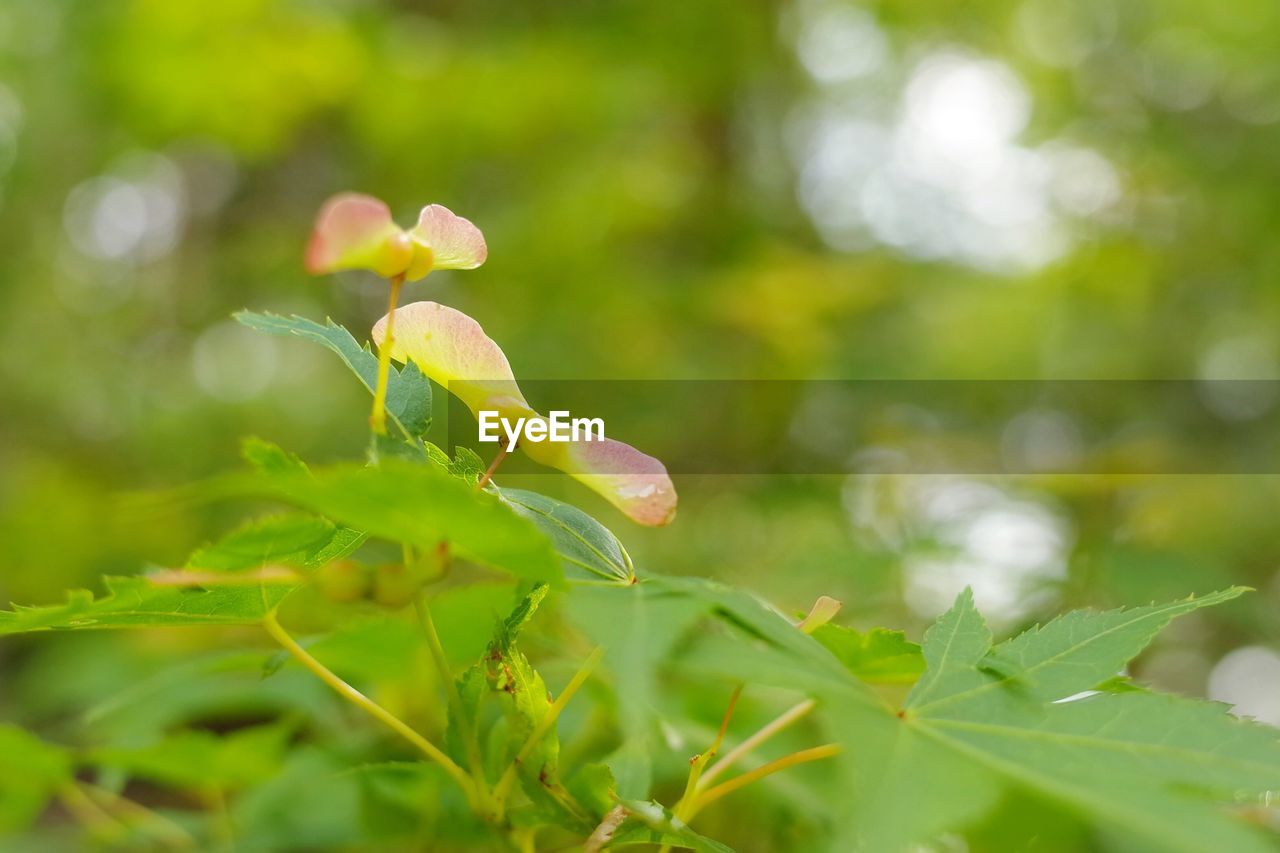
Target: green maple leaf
point(984, 720)
point(1041, 715)
point(138, 602)
point(408, 391)
point(305, 541)
point(878, 656)
point(645, 627)
point(587, 549)
point(399, 500)
point(415, 504)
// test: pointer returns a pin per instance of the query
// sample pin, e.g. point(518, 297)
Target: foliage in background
point(670, 156)
point(1043, 714)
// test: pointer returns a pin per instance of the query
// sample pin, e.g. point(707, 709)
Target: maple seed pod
point(452, 349)
point(356, 232)
point(343, 581)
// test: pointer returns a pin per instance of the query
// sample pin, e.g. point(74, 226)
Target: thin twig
point(724, 721)
point(699, 762)
point(710, 795)
point(493, 467)
point(685, 806)
point(355, 697)
point(782, 721)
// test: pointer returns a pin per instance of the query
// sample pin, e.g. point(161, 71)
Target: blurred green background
point(721, 189)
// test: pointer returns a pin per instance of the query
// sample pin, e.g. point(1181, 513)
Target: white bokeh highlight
point(957, 532)
point(136, 212)
point(1249, 680)
point(936, 169)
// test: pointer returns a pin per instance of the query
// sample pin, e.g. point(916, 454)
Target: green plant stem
point(782, 721)
point(545, 725)
point(687, 803)
point(428, 624)
point(710, 795)
point(457, 712)
point(373, 709)
point(699, 762)
point(378, 419)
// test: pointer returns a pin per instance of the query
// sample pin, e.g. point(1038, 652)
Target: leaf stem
point(710, 795)
point(493, 467)
point(456, 711)
point(378, 419)
point(545, 724)
point(724, 721)
point(782, 721)
point(373, 709)
point(699, 762)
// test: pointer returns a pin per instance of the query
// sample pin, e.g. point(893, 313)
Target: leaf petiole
point(456, 709)
point(699, 762)
point(782, 721)
point(710, 795)
point(373, 709)
point(378, 418)
point(687, 806)
point(698, 791)
point(493, 468)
